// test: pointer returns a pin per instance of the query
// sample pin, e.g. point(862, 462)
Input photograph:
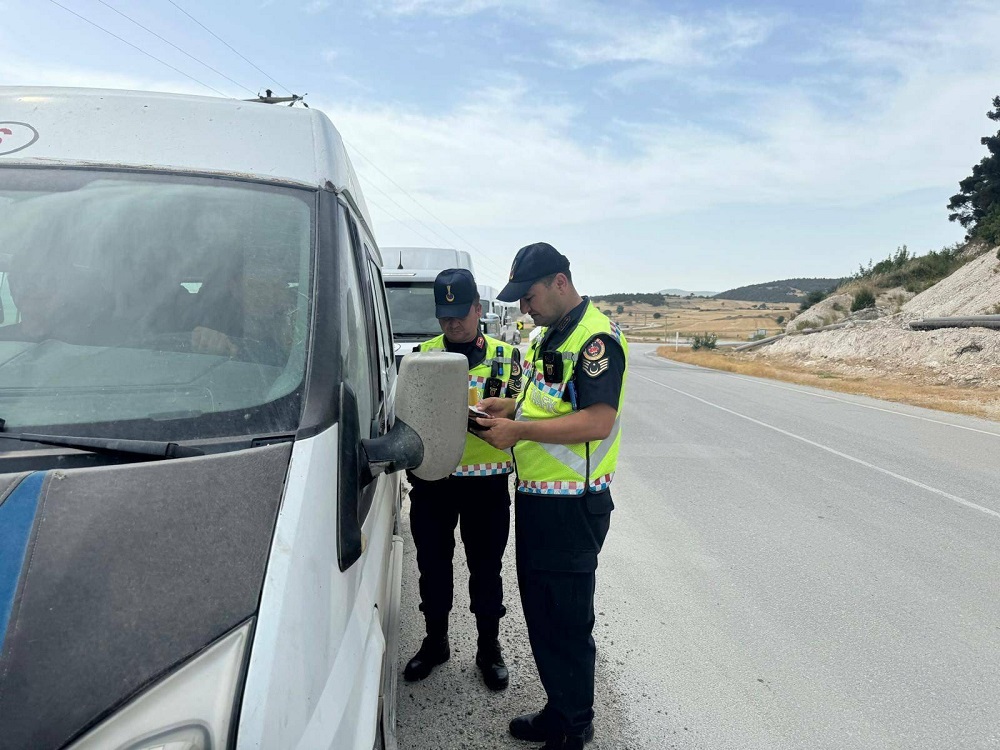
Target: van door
point(386, 489)
point(317, 665)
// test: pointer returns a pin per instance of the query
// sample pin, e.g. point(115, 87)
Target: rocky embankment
point(886, 346)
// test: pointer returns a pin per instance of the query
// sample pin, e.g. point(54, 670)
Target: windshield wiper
point(112, 446)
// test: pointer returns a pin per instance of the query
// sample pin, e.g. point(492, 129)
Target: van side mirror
point(428, 437)
point(432, 402)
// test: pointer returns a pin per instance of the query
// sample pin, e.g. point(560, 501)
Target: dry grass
point(976, 402)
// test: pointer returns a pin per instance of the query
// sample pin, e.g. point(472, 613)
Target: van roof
point(176, 132)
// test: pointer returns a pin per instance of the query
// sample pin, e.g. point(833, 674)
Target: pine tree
point(977, 206)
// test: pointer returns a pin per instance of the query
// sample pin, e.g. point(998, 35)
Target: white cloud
point(509, 156)
point(671, 41)
point(316, 6)
point(591, 33)
point(446, 8)
point(23, 73)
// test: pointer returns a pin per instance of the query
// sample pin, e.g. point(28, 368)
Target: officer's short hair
point(547, 280)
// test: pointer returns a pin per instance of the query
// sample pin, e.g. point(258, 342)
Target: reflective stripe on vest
point(554, 469)
point(479, 458)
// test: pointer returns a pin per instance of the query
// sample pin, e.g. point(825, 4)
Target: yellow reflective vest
point(480, 459)
point(555, 469)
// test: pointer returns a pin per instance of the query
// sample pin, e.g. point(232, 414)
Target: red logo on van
point(15, 136)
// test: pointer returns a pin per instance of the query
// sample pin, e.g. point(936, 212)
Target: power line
point(228, 45)
point(500, 269)
point(398, 205)
point(398, 220)
point(429, 229)
point(183, 52)
point(140, 49)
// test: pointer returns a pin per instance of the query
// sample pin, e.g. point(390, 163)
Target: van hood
point(110, 577)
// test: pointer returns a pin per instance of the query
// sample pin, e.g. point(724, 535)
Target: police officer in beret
point(565, 430)
point(475, 497)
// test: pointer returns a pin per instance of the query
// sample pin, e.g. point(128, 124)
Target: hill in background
point(686, 293)
point(786, 290)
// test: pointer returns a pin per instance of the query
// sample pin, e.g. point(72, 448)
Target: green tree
point(863, 299)
point(977, 206)
point(619, 309)
point(704, 341)
point(813, 298)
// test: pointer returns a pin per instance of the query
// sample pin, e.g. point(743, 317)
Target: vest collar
point(559, 332)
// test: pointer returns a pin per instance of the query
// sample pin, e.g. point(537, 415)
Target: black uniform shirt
point(474, 351)
point(600, 367)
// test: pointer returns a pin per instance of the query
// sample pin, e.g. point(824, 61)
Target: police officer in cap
point(475, 497)
point(565, 429)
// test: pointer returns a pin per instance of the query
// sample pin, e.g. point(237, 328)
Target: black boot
point(489, 657)
point(537, 727)
point(433, 651)
point(565, 742)
point(490, 661)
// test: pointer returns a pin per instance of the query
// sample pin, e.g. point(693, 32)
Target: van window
point(381, 313)
point(153, 305)
point(358, 365)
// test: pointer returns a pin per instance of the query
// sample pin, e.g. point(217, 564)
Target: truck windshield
point(411, 307)
point(152, 306)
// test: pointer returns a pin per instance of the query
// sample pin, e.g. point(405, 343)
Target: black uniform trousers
point(558, 539)
point(480, 506)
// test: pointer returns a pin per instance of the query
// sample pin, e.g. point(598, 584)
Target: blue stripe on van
point(17, 516)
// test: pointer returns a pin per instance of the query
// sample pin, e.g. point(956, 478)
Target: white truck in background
point(499, 317)
point(409, 274)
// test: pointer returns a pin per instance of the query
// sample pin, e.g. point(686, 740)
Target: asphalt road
point(786, 568)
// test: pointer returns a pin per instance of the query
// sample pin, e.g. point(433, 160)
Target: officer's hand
point(498, 407)
point(500, 433)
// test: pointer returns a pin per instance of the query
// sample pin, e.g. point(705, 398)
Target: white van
point(202, 429)
point(409, 274)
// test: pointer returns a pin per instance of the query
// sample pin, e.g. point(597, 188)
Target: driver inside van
point(247, 317)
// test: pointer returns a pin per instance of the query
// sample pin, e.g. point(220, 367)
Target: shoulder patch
point(594, 350)
point(593, 368)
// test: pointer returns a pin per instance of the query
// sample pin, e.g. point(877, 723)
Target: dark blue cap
point(454, 292)
point(532, 262)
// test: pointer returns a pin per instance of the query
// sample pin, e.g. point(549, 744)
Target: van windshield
point(152, 306)
point(411, 307)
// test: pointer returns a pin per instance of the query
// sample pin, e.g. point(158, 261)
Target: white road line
point(763, 381)
point(873, 467)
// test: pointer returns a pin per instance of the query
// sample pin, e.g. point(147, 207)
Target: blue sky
point(698, 145)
